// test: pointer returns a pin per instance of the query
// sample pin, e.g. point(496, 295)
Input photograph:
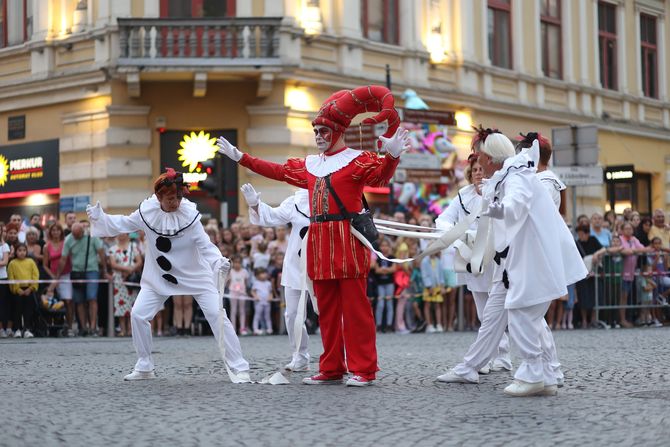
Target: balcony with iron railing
point(232, 42)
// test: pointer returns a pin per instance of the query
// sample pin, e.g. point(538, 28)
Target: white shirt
point(465, 203)
point(4, 248)
point(553, 184)
point(542, 258)
point(293, 210)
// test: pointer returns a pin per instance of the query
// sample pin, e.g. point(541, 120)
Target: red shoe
point(322, 379)
point(359, 381)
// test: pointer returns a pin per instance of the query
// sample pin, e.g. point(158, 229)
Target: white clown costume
point(537, 260)
point(293, 210)
point(180, 260)
point(553, 185)
point(467, 202)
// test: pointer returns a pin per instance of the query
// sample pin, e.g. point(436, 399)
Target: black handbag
point(81, 275)
point(362, 222)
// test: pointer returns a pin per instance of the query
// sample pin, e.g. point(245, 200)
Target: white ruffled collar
point(168, 224)
point(522, 163)
point(321, 165)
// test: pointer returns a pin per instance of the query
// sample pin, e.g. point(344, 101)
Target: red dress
point(337, 262)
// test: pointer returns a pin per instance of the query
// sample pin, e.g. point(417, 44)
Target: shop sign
point(16, 127)
point(579, 175)
point(620, 174)
point(29, 167)
point(445, 118)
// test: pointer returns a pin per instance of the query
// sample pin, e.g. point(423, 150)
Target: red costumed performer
point(337, 262)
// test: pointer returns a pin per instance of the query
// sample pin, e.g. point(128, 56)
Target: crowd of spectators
point(627, 256)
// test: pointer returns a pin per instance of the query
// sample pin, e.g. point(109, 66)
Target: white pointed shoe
point(549, 390)
point(299, 365)
point(486, 369)
point(498, 365)
point(519, 388)
point(452, 377)
point(243, 377)
point(140, 375)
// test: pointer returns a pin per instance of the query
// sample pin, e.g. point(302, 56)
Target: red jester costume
point(337, 262)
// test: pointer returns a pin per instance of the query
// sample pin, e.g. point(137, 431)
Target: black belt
point(320, 218)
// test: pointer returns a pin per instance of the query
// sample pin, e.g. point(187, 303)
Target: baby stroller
point(50, 320)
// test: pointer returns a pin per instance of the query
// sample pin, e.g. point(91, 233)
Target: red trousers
point(347, 325)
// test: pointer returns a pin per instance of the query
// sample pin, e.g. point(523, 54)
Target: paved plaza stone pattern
point(70, 392)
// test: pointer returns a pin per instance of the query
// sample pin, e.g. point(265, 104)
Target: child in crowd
point(401, 278)
point(261, 291)
point(261, 258)
point(238, 279)
point(23, 268)
point(416, 296)
point(384, 271)
point(433, 283)
point(645, 293)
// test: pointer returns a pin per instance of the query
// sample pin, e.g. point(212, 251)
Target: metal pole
point(110, 309)
point(461, 323)
point(391, 198)
point(574, 188)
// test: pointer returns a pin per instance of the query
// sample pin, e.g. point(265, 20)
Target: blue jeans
point(81, 294)
point(385, 296)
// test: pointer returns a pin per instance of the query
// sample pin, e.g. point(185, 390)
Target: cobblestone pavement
point(70, 392)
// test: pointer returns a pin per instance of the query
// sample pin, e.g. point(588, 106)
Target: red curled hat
point(337, 111)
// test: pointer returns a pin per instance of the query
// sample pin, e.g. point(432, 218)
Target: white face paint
point(323, 136)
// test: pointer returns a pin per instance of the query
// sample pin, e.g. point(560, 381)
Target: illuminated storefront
point(187, 151)
point(628, 189)
point(29, 179)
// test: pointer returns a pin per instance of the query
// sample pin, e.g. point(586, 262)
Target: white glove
point(250, 195)
point(228, 149)
point(94, 212)
point(496, 210)
point(397, 144)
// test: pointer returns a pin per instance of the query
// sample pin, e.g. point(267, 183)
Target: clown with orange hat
point(337, 262)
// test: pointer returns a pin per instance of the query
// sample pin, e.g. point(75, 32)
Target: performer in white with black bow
point(180, 260)
point(537, 255)
point(469, 201)
point(293, 210)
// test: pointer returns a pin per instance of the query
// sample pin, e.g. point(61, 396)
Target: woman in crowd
point(52, 255)
point(182, 313)
point(6, 321)
point(642, 231)
point(125, 259)
point(590, 250)
point(631, 248)
point(12, 238)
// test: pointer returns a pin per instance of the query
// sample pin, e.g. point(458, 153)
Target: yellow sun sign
point(196, 148)
point(4, 170)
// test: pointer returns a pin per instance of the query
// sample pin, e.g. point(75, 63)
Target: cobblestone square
point(70, 392)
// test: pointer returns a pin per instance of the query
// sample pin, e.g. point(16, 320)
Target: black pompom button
point(163, 244)
point(164, 263)
point(170, 278)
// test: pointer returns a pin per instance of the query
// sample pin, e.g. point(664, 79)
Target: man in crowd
point(70, 220)
point(17, 220)
point(660, 229)
point(87, 256)
point(603, 235)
